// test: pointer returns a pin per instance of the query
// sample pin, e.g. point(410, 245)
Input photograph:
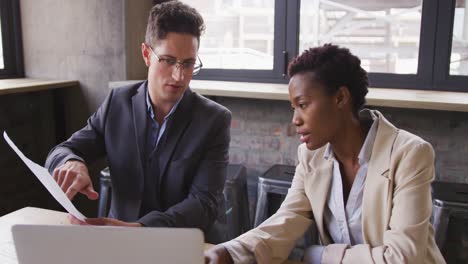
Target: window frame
point(443, 80)
point(12, 40)
point(281, 52)
point(433, 58)
point(427, 38)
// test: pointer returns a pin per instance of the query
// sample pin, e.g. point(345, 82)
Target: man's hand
point(73, 177)
point(218, 255)
point(102, 221)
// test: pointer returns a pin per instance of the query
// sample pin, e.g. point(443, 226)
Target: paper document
point(47, 180)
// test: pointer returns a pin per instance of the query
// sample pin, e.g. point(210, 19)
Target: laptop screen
point(55, 244)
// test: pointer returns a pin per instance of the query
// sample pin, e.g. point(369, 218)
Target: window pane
point(239, 33)
point(384, 34)
point(2, 65)
point(459, 56)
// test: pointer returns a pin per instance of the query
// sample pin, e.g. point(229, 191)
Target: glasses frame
point(178, 63)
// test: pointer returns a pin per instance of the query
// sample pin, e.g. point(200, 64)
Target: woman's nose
point(296, 119)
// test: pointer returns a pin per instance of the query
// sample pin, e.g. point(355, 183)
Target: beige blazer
point(396, 209)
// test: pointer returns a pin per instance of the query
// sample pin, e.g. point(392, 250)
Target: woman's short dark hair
point(173, 16)
point(334, 67)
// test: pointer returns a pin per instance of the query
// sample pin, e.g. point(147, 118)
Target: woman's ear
point(343, 97)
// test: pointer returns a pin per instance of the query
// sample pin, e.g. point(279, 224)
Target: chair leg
point(262, 205)
point(103, 199)
point(441, 219)
point(232, 213)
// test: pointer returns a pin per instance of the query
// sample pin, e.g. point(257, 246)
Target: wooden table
point(27, 215)
point(32, 215)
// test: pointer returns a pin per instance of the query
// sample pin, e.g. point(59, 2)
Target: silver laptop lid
point(55, 244)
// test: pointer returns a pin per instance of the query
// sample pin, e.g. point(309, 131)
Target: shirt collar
point(151, 111)
point(366, 149)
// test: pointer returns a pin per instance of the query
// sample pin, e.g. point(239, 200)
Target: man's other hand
point(102, 221)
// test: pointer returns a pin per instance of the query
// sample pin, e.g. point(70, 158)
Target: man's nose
point(178, 73)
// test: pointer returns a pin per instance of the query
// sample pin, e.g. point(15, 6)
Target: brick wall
point(262, 135)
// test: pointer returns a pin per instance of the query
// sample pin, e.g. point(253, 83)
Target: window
point(450, 67)
point(415, 44)
point(244, 39)
point(11, 58)
point(239, 34)
point(394, 39)
point(459, 51)
point(383, 34)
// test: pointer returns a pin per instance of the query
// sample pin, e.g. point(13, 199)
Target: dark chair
point(234, 217)
point(276, 180)
point(237, 205)
point(106, 184)
point(272, 188)
point(450, 202)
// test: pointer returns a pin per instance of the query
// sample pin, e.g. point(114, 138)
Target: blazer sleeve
point(406, 239)
point(200, 208)
point(87, 144)
point(273, 240)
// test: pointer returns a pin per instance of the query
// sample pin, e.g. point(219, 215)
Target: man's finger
point(73, 189)
point(56, 174)
point(60, 176)
point(67, 181)
point(90, 192)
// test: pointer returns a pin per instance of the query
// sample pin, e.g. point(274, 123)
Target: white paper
point(47, 180)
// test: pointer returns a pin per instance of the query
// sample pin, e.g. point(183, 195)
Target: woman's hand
point(218, 255)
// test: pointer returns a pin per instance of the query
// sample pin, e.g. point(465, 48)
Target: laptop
point(54, 244)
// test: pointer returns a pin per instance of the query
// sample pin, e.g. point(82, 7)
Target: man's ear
point(343, 97)
point(146, 53)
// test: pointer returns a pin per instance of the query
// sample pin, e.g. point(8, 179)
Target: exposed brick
point(291, 130)
point(235, 124)
point(263, 129)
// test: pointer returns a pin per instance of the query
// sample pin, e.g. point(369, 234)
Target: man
point(166, 146)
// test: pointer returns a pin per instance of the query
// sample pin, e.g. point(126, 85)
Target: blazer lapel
point(139, 124)
point(319, 189)
point(378, 186)
point(177, 124)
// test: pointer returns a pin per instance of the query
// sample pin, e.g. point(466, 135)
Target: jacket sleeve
point(87, 144)
point(273, 240)
point(406, 239)
point(200, 208)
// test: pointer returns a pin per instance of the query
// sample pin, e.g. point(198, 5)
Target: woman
point(365, 183)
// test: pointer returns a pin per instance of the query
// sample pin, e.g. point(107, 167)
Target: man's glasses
point(187, 66)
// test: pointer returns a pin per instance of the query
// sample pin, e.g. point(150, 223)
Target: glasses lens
point(196, 70)
point(197, 67)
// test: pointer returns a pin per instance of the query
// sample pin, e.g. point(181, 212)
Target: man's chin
point(174, 92)
point(172, 97)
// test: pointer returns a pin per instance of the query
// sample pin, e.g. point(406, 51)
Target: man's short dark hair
point(173, 16)
point(334, 67)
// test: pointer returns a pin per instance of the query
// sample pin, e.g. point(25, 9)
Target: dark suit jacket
point(192, 160)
